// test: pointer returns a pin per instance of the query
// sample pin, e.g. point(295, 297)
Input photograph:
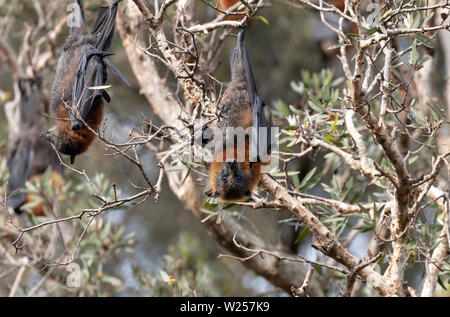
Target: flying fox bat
point(224, 5)
point(236, 170)
point(28, 156)
point(79, 87)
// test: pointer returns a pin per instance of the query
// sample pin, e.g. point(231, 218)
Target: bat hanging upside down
point(77, 93)
point(224, 5)
point(236, 170)
point(28, 156)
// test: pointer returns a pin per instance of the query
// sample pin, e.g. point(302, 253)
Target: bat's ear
point(209, 192)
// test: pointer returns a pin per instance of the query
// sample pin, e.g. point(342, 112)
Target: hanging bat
point(224, 5)
point(236, 170)
point(28, 156)
point(79, 87)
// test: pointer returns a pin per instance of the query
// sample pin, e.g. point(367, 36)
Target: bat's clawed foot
point(210, 193)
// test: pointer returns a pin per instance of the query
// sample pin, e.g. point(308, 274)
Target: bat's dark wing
point(90, 75)
point(261, 132)
point(20, 159)
point(116, 71)
point(104, 31)
point(20, 152)
point(261, 136)
point(240, 63)
point(104, 25)
point(91, 72)
point(23, 104)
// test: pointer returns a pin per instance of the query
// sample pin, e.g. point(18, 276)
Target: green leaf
point(358, 194)
point(210, 215)
point(434, 246)
point(334, 219)
point(413, 56)
point(435, 112)
point(371, 31)
point(386, 15)
point(427, 18)
point(301, 235)
point(328, 138)
point(337, 82)
point(175, 169)
point(298, 87)
point(210, 204)
point(294, 110)
point(307, 177)
point(262, 19)
point(424, 40)
point(363, 228)
point(413, 159)
point(416, 22)
point(313, 182)
point(288, 220)
point(362, 208)
point(334, 123)
point(282, 107)
point(46, 176)
point(317, 268)
point(4, 177)
point(296, 181)
point(289, 173)
point(114, 281)
point(315, 103)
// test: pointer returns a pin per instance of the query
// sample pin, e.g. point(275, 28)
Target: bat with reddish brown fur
point(234, 175)
point(78, 90)
point(28, 156)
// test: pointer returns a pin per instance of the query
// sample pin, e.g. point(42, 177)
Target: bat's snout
point(77, 125)
point(46, 136)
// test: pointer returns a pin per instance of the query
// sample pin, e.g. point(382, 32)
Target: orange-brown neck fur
point(77, 142)
point(224, 5)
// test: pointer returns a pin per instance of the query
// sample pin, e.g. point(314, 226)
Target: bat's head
point(231, 182)
point(54, 137)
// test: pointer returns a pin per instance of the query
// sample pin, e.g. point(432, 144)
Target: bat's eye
point(224, 178)
point(239, 177)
